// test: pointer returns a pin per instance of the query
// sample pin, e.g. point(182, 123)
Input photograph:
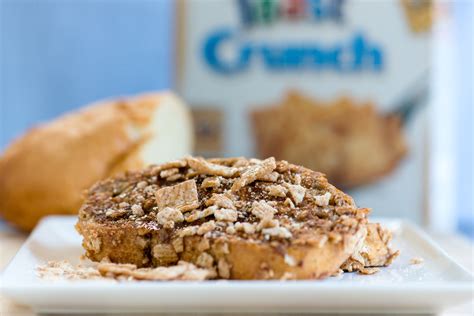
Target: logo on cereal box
point(355, 54)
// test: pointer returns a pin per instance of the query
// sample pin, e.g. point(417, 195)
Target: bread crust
point(325, 229)
point(45, 171)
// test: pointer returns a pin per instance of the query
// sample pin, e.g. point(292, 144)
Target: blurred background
point(379, 89)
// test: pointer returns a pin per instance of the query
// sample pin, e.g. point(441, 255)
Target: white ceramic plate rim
point(449, 291)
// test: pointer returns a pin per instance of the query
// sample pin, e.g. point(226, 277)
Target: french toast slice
point(244, 218)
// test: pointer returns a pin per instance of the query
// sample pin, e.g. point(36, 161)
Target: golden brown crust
point(45, 171)
point(224, 214)
point(351, 143)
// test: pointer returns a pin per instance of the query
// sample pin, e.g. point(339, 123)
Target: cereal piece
point(277, 190)
point(203, 245)
point(188, 231)
point(393, 255)
point(165, 254)
point(287, 276)
point(213, 183)
point(137, 210)
point(334, 237)
point(322, 241)
point(240, 162)
point(221, 200)
point(115, 214)
point(205, 260)
point(297, 192)
point(175, 177)
point(230, 230)
point(223, 268)
point(248, 228)
point(368, 271)
point(267, 223)
point(266, 272)
point(182, 196)
point(142, 184)
point(280, 232)
point(169, 172)
point(384, 234)
point(169, 165)
point(178, 244)
point(221, 248)
point(58, 270)
point(297, 178)
point(141, 242)
point(225, 215)
point(94, 244)
point(206, 227)
point(290, 261)
point(283, 166)
point(191, 173)
point(124, 205)
point(197, 214)
point(169, 216)
point(181, 271)
point(261, 209)
point(269, 177)
point(322, 200)
point(254, 172)
point(288, 202)
point(202, 166)
point(417, 260)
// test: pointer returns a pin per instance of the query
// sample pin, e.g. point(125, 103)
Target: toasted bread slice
point(248, 219)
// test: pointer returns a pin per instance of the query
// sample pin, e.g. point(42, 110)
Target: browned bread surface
point(45, 171)
point(246, 218)
point(351, 143)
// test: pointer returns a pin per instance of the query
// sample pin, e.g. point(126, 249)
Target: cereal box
point(337, 86)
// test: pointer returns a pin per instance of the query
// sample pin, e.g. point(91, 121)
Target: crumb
point(287, 276)
point(417, 260)
point(64, 270)
point(368, 271)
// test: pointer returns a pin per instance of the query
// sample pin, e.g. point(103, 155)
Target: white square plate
point(403, 287)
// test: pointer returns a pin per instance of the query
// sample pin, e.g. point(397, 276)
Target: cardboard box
point(338, 86)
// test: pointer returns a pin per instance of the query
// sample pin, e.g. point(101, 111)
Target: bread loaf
point(46, 170)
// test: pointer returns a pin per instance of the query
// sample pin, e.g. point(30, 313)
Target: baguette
point(45, 171)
